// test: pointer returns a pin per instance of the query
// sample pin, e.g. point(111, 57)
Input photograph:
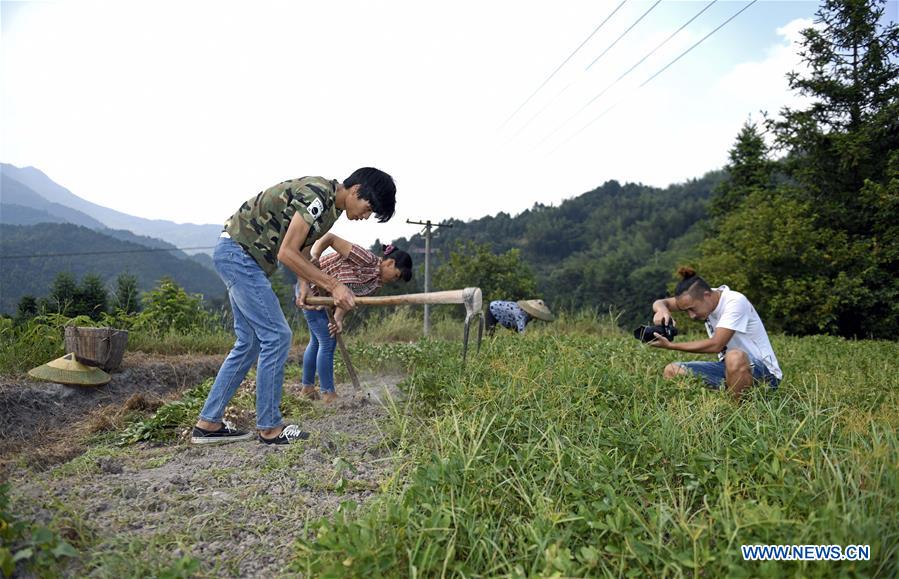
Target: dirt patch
point(54, 410)
point(238, 508)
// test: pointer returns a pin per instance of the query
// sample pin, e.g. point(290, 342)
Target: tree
point(126, 295)
point(771, 249)
point(63, 294)
point(500, 277)
point(92, 298)
point(814, 253)
point(847, 134)
point(749, 170)
point(26, 309)
point(168, 308)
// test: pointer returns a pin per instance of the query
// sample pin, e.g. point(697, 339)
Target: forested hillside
point(34, 276)
point(612, 247)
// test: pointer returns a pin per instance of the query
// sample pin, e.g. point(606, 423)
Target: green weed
point(29, 546)
point(142, 558)
point(569, 455)
point(169, 420)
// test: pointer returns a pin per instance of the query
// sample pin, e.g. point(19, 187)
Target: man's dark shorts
point(712, 373)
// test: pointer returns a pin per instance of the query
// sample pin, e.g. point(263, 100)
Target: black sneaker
point(227, 433)
point(290, 434)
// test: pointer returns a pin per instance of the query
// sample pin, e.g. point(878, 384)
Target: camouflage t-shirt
point(260, 224)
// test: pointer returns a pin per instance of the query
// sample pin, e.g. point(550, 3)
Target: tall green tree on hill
point(815, 252)
point(63, 294)
point(127, 297)
point(750, 170)
point(69, 298)
point(92, 297)
point(26, 309)
point(848, 134)
point(502, 276)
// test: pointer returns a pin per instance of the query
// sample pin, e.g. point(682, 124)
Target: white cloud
point(762, 85)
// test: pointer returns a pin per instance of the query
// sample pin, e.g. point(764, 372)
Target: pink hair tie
point(389, 249)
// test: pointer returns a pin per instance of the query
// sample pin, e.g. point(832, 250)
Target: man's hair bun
point(686, 272)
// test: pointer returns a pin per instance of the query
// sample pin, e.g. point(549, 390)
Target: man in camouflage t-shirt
point(259, 224)
point(279, 224)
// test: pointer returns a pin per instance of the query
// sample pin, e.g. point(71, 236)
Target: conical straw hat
point(537, 309)
point(67, 370)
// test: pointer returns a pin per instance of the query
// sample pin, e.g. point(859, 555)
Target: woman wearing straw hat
point(516, 315)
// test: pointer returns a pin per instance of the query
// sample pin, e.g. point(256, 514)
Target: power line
point(660, 71)
point(664, 42)
point(623, 34)
point(628, 71)
point(564, 62)
point(608, 48)
point(80, 253)
point(743, 9)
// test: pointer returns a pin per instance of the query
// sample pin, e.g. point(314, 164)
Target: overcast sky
point(183, 110)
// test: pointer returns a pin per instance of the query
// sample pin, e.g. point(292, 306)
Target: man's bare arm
point(292, 257)
point(711, 345)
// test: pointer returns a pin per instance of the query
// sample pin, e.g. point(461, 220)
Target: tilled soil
point(238, 508)
point(37, 418)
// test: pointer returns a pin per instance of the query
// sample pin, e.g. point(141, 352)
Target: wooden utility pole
point(427, 233)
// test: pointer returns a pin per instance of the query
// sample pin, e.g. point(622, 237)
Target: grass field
point(563, 453)
point(566, 454)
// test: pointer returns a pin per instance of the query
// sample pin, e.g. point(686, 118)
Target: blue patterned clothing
point(510, 315)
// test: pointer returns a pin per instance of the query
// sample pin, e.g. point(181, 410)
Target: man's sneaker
point(290, 434)
point(227, 433)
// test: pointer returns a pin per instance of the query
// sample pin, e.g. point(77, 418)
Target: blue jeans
point(320, 351)
point(262, 332)
point(713, 373)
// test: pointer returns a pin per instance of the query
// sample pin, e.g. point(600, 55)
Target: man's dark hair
point(401, 259)
point(376, 187)
point(690, 283)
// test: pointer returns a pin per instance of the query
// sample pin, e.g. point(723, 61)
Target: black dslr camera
point(646, 333)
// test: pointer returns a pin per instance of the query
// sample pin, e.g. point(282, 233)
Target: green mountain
point(21, 205)
point(17, 195)
point(14, 214)
point(613, 248)
point(34, 275)
point(179, 234)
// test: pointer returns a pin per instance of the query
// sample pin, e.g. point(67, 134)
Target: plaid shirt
point(360, 271)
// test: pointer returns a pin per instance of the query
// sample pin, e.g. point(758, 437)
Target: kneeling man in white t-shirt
point(736, 334)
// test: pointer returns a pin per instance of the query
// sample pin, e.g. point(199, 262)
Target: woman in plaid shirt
point(363, 273)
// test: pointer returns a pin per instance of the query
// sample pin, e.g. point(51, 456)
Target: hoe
point(470, 296)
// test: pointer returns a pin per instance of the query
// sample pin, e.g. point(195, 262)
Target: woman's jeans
point(262, 332)
point(320, 351)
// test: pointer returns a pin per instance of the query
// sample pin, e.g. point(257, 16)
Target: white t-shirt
point(734, 312)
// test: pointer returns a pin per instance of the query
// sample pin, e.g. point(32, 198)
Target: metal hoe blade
point(474, 305)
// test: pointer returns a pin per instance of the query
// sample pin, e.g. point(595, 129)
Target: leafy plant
point(167, 422)
point(169, 308)
point(28, 545)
